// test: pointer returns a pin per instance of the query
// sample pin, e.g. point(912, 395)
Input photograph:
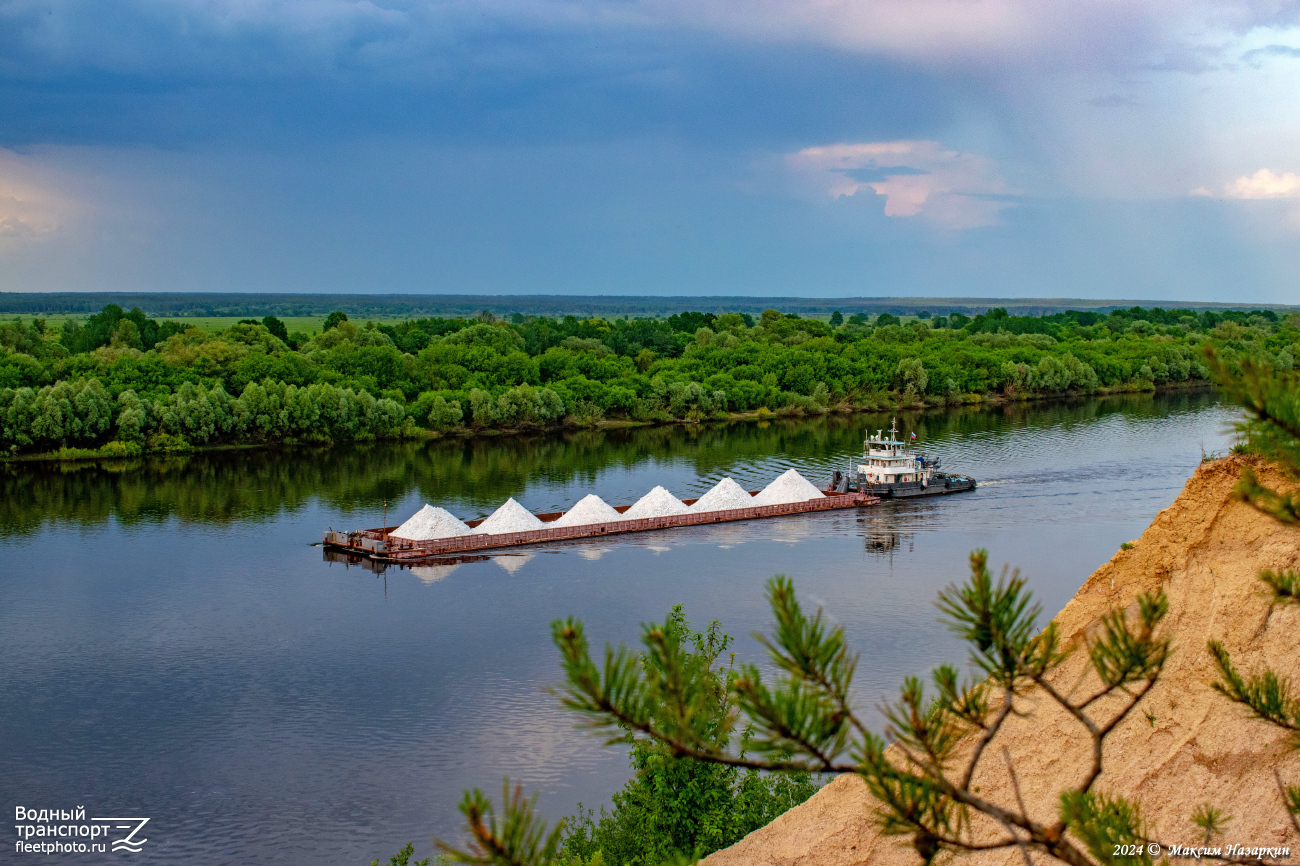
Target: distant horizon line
point(186, 304)
point(628, 297)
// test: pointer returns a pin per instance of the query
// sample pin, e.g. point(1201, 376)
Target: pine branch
point(1267, 394)
point(1124, 656)
point(987, 737)
point(1283, 507)
point(912, 799)
point(1211, 820)
point(805, 649)
point(1102, 823)
point(1272, 399)
point(1098, 733)
point(1267, 696)
point(1285, 585)
point(925, 725)
point(518, 838)
point(793, 718)
point(1020, 843)
point(1290, 799)
point(996, 619)
point(619, 700)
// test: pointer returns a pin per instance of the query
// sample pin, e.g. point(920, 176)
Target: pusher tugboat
point(891, 471)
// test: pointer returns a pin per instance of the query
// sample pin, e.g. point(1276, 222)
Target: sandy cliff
point(1205, 550)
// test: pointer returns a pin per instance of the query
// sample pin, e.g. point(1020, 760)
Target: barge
point(888, 470)
point(381, 545)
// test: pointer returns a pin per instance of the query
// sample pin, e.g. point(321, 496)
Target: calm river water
point(173, 647)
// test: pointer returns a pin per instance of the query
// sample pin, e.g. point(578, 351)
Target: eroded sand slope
point(1205, 550)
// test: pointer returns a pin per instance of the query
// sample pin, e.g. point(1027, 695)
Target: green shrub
point(677, 806)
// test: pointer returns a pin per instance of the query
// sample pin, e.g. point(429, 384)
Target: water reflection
point(476, 475)
point(883, 542)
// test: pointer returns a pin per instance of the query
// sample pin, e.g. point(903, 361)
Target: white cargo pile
point(430, 522)
point(657, 503)
point(726, 495)
point(790, 487)
point(511, 517)
point(590, 509)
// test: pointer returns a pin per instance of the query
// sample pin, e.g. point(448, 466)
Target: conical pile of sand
point(510, 517)
point(657, 503)
point(430, 522)
point(590, 509)
point(789, 487)
point(726, 495)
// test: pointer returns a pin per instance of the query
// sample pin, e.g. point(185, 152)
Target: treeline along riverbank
point(120, 383)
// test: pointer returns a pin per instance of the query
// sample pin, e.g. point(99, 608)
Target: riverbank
point(162, 444)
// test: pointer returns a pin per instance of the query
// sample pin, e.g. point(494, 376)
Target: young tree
point(276, 327)
point(677, 806)
point(911, 371)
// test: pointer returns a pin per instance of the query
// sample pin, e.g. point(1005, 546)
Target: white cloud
point(917, 178)
point(1264, 184)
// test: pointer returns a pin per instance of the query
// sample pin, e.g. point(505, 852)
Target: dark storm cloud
point(251, 84)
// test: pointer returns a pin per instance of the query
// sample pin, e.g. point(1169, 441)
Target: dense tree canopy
point(362, 380)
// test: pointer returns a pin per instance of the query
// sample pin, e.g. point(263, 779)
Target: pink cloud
point(30, 203)
point(916, 178)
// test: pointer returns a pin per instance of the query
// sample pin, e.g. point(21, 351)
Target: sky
point(818, 148)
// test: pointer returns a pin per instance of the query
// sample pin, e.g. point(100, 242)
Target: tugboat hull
point(939, 485)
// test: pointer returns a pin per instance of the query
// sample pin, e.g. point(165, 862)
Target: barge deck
point(380, 545)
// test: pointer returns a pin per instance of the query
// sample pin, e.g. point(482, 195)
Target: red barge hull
point(378, 544)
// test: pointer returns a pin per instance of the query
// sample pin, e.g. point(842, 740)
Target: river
point(172, 646)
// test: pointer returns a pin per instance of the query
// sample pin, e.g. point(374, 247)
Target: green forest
point(119, 383)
